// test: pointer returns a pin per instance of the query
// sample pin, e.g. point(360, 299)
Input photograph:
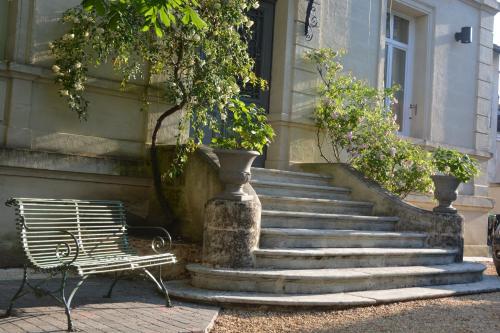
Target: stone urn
point(445, 193)
point(234, 172)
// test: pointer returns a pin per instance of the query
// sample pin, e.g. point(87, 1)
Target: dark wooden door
point(260, 48)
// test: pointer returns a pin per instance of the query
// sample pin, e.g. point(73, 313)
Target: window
point(398, 52)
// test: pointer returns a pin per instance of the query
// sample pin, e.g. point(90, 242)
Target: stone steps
point(184, 290)
point(320, 248)
point(303, 220)
point(307, 258)
point(314, 205)
point(320, 238)
point(300, 190)
point(320, 281)
point(290, 177)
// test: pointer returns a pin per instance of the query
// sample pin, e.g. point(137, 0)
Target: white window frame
point(409, 49)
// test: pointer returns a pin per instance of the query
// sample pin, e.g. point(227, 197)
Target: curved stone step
point(312, 205)
point(322, 238)
point(281, 219)
point(318, 281)
point(275, 188)
point(291, 177)
point(351, 257)
point(184, 290)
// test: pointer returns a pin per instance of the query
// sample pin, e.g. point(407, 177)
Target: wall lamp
point(464, 36)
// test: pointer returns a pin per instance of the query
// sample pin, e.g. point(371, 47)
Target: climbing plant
point(194, 53)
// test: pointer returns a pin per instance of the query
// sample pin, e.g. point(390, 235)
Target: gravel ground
point(474, 313)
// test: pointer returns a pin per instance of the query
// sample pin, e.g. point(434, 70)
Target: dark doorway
point(260, 48)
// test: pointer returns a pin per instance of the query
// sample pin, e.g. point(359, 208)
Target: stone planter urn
point(445, 193)
point(234, 172)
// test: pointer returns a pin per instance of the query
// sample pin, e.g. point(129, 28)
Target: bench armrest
point(63, 249)
point(160, 244)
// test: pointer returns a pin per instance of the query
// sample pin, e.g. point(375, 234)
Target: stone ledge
point(50, 161)
point(462, 201)
point(183, 290)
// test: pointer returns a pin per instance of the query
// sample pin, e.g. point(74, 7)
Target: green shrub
point(355, 119)
point(244, 127)
point(453, 163)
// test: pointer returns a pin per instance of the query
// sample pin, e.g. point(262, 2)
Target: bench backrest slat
point(99, 227)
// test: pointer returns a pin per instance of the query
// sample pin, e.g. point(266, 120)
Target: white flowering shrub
point(355, 119)
point(194, 52)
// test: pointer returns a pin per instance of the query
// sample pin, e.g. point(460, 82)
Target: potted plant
point(243, 136)
point(453, 168)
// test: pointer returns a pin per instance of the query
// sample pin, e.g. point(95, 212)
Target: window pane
point(401, 29)
point(498, 122)
point(388, 26)
point(398, 78)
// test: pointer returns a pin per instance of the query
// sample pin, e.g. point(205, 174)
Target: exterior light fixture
point(464, 36)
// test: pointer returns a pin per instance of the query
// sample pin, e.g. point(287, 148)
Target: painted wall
point(35, 117)
point(446, 74)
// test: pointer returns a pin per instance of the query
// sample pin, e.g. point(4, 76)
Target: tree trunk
point(155, 167)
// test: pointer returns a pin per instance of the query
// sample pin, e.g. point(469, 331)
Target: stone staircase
point(320, 248)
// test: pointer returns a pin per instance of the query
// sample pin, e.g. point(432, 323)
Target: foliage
point(356, 123)
point(155, 12)
point(194, 67)
point(244, 127)
point(453, 163)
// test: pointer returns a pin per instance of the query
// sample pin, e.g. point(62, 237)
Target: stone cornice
point(103, 86)
point(491, 6)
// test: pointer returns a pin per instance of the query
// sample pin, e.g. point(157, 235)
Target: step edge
point(292, 253)
point(300, 186)
point(341, 202)
point(357, 298)
point(292, 173)
point(336, 233)
point(351, 273)
point(270, 212)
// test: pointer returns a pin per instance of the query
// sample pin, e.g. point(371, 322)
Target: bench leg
point(108, 295)
point(67, 302)
point(160, 285)
point(18, 293)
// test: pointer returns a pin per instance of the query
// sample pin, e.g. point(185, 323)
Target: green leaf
point(164, 17)
point(158, 31)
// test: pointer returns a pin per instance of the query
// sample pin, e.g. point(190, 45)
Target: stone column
point(231, 233)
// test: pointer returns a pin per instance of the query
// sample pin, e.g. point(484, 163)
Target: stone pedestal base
point(231, 233)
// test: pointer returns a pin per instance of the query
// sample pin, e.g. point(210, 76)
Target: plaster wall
point(34, 116)
point(445, 76)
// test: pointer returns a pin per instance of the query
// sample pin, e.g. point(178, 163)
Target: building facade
point(447, 98)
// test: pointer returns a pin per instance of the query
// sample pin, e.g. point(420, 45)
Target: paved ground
point(471, 314)
point(135, 307)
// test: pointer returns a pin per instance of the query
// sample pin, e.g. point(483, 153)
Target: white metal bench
point(85, 236)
